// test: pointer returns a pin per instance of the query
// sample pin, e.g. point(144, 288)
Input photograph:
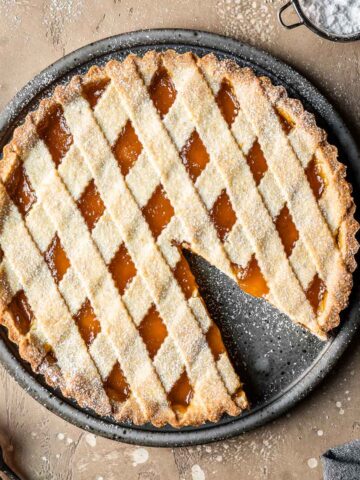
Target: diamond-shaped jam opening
point(251, 279)
point(316, 294)
point(56, 134)
point(181, 394)
point(223, 215)
point(214, 340)
point(158, 211)
point(93, 91)
point(257, 162)
point(91, 205)
point(22, 313)
point(315, 177)
point(116, 385)
point(56, 259)
point(127, 148)
point(162, 91)
point(153, 331)
point(88, 324)
point(185, 278)
point(20, 190)
point(227, 102)
point(286, 122)
point(287, 230)
point(194, 156)
point(122, 268)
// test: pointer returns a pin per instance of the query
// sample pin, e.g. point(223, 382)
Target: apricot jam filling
point(257, 162)
point(214, 340)
point(158, 211)
point(185, 278)
point(122, 268)
point(56, 259)
point(316, 177)
point(223, 215)
point(287, 230)
point(91, 205)
point(227, 102)
point(194, 156)
point(153, 331)
point(181, 394)
point(56, 134)
point(93, 91)
point(127, 148)
point(250, 279)
point(87, 323)
point(316, 294)
point(20, 191)
point(162, 91)
point(286, 121)
point(21, 311)
point(116, 385)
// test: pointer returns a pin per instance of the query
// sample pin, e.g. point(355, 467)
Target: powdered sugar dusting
point(249, 19)
point(339, 17)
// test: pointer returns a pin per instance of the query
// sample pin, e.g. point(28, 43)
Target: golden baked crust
point(325, 247)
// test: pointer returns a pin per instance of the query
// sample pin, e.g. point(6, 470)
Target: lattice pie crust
point(111, 177)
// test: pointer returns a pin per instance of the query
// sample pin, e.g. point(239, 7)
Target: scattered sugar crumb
point(338, 404)
point(57, 455)
point(248, 19)
point(341, 411)
point(320, 433)
point(44, 459)
point(139, 455)
point(60, 436)
point(197, 473)
point(90, 439)
point(312, 462)
point(69, 441)
point(208, 449)
point(219, 458)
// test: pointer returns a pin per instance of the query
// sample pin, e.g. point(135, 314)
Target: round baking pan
point(279, 362)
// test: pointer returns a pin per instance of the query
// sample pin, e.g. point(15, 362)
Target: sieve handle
point(281, 20)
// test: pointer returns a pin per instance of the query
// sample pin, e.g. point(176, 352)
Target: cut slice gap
point(122, 269)
point(153, 331)
point(286, 230)
point(162, 91)
point(227, 102)
point(316, 178)
point(158, 211)
point(56, 134)
point(127, 148)
point(57, 260)
point(93, 91)
point(88, 324)
point(257, 162)
point(20, 190)
point(258, 338)
point(116, 385)
point(223, 215)
point(181, 394)
point(194, 156)
point(91, 205)
point(21, 312)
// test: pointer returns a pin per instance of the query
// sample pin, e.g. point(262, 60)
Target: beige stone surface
point(35, 33)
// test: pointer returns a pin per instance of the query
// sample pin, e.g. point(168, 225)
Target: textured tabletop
point(35, 33)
